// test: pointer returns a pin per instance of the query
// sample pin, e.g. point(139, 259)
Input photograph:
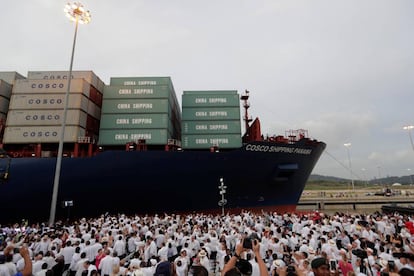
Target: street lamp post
point(411, 177)
point(365, 179)
point(348, 145)
point(409, 128)
point(77, 13)
point(222, 191)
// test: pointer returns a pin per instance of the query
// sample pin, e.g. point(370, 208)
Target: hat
point(163, 269)
point(332, 242)
point(311, 250)
point(279, 263)
point(318, 262)
point(138, 272)
point(153, 262)
point(202, 253)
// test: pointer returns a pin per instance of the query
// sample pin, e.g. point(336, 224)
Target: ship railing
point(295, 135)
point(85, 140)
point(174, 142)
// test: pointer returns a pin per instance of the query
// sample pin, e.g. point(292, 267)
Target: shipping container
point(140, 81)
point(48, 101)
point(10, 77)
point(94, 110)
point(210, 114)
point(4, 104)
point(45, 118)
point(51, 86)
point(41, 134)
point(137, 92)
point(96, 96)
point(135, 121)
point(88, 76)
point(122, 136)
point(227, 98)
point(135, 106)
point(225, 141)
point(5, 89)
point(211, 127)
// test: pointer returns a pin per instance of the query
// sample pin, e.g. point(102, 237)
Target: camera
point(247, 243)
point(391, 265)
point(290, 268)
point(332, 265)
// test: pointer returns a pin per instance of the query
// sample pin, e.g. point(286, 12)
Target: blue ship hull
point(260, 175)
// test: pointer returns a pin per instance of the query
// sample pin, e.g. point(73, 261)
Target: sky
point(341, 69)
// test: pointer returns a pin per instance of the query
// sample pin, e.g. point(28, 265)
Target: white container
point(51, 86)
point(41, 134)
point(48, 101)
point(89, 76)
point(74, 117)
point(10, 77)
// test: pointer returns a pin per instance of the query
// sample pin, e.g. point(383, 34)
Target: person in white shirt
point(88, 266)
point(107, 264)
point(119, 247)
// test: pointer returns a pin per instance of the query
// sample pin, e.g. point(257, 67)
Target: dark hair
point(198, 270)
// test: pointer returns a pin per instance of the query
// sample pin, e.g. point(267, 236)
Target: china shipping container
point(225, 98)
point(212, 127)
point(135, 106)
point(140, 81)
point(134, 92)
point(205, 141)
point(136, 121)
point(109, 137)
point(210, 113)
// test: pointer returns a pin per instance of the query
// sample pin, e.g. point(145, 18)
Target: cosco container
point(141, 81)
point(136, 92)
point(51, 86)
point(48, 101)
point(10, 77)
point(228, 98)
point(211, 127)
point(5, 89)
point(4, 104)
point(89, 76)
point(45, 118)
point(135, 106)
point(226, 141)
point(136, 121)
point(210, 114)
point(123, 136)
point(41, 134)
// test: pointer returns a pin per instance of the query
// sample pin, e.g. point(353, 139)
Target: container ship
point(129, 148)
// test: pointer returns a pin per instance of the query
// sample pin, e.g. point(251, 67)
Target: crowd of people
point(265, 244)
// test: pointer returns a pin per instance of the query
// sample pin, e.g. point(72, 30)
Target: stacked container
point(211, 119)
point(37, 105)
point(10, 77)
point(139, 108)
